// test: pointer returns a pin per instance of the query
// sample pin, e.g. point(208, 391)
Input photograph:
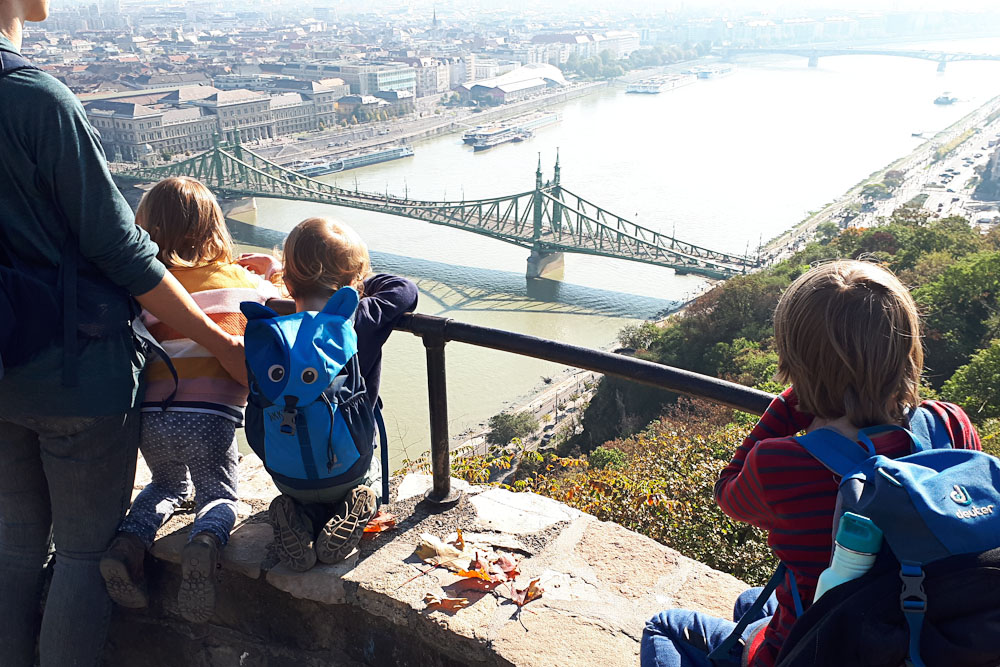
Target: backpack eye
point(276, 372)
point(309, 375)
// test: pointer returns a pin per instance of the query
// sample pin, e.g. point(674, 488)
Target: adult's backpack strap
point(838, 453)
point(722, 651)
point(142, 334)
point(11, 62)
point(384, 445)
point(69, 278)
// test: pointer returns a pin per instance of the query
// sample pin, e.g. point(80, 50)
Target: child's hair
point(183, 218)
point(848, 339)
point(321, 256)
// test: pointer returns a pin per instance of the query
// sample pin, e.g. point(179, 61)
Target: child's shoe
point(199, 559)
point(343, 532)
point(122, 569)
point(292, 533)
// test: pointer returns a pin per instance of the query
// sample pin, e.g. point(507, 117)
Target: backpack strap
point(384, 444)
point(928, 427)
point(722, 651)
point(838, 453)
point(11, 62)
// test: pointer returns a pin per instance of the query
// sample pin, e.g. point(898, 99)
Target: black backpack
point(860, 622)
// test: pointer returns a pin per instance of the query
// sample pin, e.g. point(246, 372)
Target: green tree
point(960, 306)
point(827, 231)
point(638, 336)
point(893, 178)
point(506, 426)
point(875, 191)
point(976, 385)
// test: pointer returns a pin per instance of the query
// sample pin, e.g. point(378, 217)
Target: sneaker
point(199, 559)
point(122, 569)
point(343, 532)
point(292, 534)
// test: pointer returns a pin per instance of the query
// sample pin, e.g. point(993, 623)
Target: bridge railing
point(436, 332)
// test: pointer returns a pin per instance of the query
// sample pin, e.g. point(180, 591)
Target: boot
point(343, 532)
point(293, 534)
point(199, 560)
point(122, 569)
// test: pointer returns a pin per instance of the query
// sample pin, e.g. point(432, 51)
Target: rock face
point(600, 581)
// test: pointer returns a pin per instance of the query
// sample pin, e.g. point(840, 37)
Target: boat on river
point(660, 84)
point(945, 98)
point(320, 167)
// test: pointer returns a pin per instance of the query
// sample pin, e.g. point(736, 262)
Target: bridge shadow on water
point(454, 288)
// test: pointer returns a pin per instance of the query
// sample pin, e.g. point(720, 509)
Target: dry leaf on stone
point(435, 552)
point(448, 604)
point(523, 596)
point(504, 568)
point(380, 522)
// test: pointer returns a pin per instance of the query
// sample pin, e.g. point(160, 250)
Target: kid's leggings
point(181, 448)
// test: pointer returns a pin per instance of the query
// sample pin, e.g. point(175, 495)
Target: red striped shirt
point(774, 484)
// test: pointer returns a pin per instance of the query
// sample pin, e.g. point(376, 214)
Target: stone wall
point(601, 582)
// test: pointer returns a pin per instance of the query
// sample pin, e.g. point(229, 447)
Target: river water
point(725, 163)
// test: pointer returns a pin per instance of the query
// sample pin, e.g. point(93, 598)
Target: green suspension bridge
point(547, 220)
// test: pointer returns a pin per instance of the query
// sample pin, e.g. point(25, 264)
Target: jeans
point(173, 445)
point(68, 479)
point(682, 638)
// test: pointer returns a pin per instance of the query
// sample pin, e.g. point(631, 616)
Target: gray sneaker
point(292, 534)
point(343, 532)
point(199, 560)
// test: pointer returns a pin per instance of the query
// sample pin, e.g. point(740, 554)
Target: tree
point(826, 232)
point(893, 178)
point(976, 386)
point(875, 191)
point(506, 426)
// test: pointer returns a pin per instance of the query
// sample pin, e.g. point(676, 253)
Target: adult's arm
point(169, 302)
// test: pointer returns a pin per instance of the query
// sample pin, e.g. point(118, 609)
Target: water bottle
point(858, 542)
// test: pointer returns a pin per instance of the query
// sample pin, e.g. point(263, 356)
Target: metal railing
point(438, 331)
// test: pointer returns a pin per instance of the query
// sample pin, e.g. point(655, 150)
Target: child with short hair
point(188, 428)
point(320, 257)
point(847, 335)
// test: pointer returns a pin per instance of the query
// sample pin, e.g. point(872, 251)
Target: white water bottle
point(858, 543)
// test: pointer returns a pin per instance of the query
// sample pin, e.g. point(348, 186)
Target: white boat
point(660, 84)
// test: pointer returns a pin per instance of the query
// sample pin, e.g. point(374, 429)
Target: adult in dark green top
point(68, 452)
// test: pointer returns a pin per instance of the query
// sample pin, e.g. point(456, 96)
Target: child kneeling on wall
point(314, 380)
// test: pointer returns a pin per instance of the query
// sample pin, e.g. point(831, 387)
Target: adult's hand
point(171, 304)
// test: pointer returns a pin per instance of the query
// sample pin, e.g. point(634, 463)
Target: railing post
point(441, 492)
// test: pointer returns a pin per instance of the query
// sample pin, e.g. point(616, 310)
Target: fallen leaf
point(448, 604)
point(523, 596)
point(432, 550)
point(475, 574)
point(460, 541)
point(380, 522)
point(507, 565)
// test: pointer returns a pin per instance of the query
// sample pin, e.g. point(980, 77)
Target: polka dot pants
point(182, 448)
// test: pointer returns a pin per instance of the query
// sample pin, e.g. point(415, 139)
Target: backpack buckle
point(288, 421)
point(913, 598)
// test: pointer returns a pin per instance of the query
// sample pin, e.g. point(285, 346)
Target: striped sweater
point(774, 484)
point(203, 384)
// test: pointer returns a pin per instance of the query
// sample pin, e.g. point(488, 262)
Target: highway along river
point(725, 163)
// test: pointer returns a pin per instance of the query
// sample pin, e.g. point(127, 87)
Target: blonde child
point(320, 257)
point(847, 335)
point(188, 428)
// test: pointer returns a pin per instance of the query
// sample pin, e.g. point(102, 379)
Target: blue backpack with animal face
point(309, 417)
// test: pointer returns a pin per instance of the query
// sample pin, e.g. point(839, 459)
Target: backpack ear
point(255, 311)
point(343, 303)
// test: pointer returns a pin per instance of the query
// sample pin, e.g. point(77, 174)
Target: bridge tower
point(813, 60)
point(544, 263)
point(942, 64)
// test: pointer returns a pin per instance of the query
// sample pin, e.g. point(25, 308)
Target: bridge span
point(548, 220)
point(942, 58)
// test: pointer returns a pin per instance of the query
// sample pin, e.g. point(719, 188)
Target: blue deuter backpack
point(939, 511)
point(309, 417)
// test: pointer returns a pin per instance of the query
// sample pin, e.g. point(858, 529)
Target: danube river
point(725, 163)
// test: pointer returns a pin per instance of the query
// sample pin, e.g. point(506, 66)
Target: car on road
point(951, 190)
point(978, 155)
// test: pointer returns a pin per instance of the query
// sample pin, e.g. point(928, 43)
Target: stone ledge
point(601, 583)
